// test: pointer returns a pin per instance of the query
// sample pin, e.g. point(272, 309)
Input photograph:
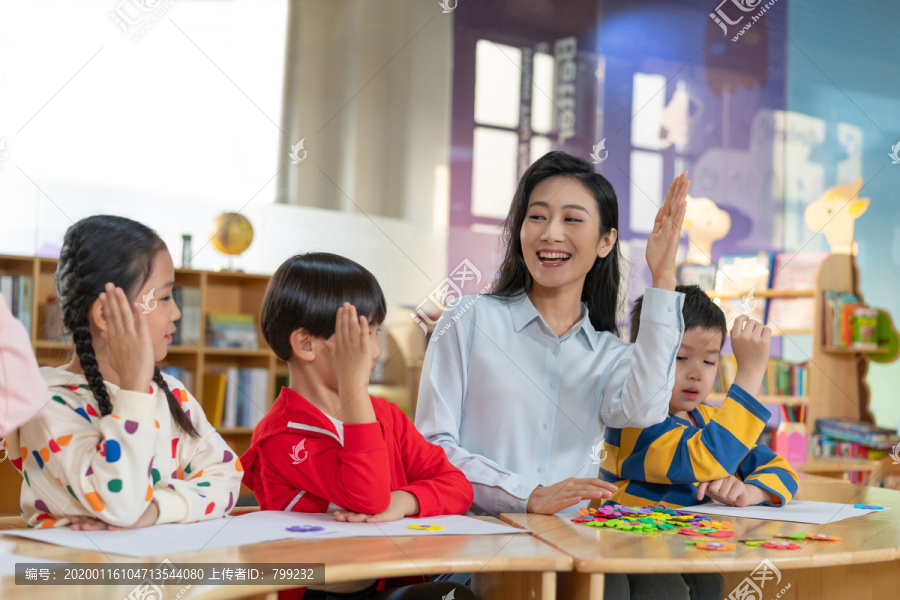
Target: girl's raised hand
point(662, 245)
point(127, 339)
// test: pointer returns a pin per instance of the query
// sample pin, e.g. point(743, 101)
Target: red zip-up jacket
point(296, 462)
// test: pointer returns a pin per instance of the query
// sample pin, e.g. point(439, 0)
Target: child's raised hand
point(403, 504)
point(352, 361)
point(128, 343)
point(750, 342)
point(731, 491)
point(662, 245)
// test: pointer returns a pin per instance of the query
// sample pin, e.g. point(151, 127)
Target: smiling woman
point(563, 209)
point(519, 389)
point(520, 386)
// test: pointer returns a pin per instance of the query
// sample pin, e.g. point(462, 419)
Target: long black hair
point(97, 250)
point(601, 285)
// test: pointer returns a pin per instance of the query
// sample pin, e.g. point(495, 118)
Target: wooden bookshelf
point(837, 376)
point(220, 291)
point(850, 350)
point(774, 399)
point(767, 293)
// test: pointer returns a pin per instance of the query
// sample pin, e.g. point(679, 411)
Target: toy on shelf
point(704, 223)
point(835, 213)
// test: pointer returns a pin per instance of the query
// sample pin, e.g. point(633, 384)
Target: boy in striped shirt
point(700, 452)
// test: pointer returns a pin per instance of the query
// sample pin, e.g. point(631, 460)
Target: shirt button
point(540, 469)
point(555, 351)
point(518, 488)
point(511, 505)
point(552, 385)
point(546, 424)
point(670, 309)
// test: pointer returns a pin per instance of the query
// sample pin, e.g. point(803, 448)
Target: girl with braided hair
point(119, 444)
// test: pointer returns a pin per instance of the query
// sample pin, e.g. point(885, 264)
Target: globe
point(231, 233)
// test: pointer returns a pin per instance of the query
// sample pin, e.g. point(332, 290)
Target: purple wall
point(730, 159)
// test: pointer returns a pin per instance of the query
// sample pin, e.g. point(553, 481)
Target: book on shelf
point(782, 378)
point(185, 376)
point(18, 291)
point(280, 382)
point(827, 446)
point(701, 275)
point(743, 274)
point(236, 398)
point(214, 385)
point(796, 271)
point(232, 330)
point(860, 432)
point(187, 299)
point(847, 322)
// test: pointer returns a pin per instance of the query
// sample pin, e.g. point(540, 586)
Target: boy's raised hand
point(128, 344)
point(352, 361)
point(750, 342)
point(662, 244)
point(731, 491)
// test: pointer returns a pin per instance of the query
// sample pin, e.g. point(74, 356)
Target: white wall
point(388, 64)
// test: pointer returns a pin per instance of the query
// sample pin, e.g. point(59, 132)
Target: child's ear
point(607, 242)
point(302, 346)
point(97, 316)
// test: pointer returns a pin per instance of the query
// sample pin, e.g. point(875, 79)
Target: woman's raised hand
point(662, 245)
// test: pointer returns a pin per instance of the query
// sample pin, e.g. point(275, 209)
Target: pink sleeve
point(22, 390)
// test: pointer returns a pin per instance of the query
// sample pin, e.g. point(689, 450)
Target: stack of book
point(232, 330)
point(183, 375)
point(782, 378)
point(187, 298)
point(852, 439)
point(18, 291)
point(848, 323)
point(236, 397)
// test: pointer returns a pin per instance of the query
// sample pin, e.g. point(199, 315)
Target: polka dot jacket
point(75, 462)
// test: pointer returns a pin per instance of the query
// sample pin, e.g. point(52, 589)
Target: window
point(512, 124)
point(181, 99)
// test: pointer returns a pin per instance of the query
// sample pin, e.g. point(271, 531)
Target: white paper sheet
point(798, 511)
point(250, 528)
point(8, 562)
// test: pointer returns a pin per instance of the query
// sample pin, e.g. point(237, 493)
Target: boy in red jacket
point(326, 444)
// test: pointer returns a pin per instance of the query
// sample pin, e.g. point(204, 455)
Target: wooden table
point(864, 564)
point(503, 566)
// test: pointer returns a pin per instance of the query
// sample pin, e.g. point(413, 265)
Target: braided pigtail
point(75, 317)
point(175, 409)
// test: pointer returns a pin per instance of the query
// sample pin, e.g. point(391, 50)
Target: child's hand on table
point(403, 504)
point(750, 342)
point(662, 244)
point(351, 355)
point(731, 491)
point(86, 523)
point(551, 499)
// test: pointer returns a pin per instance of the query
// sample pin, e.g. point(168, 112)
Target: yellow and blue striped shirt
point(662, 464)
